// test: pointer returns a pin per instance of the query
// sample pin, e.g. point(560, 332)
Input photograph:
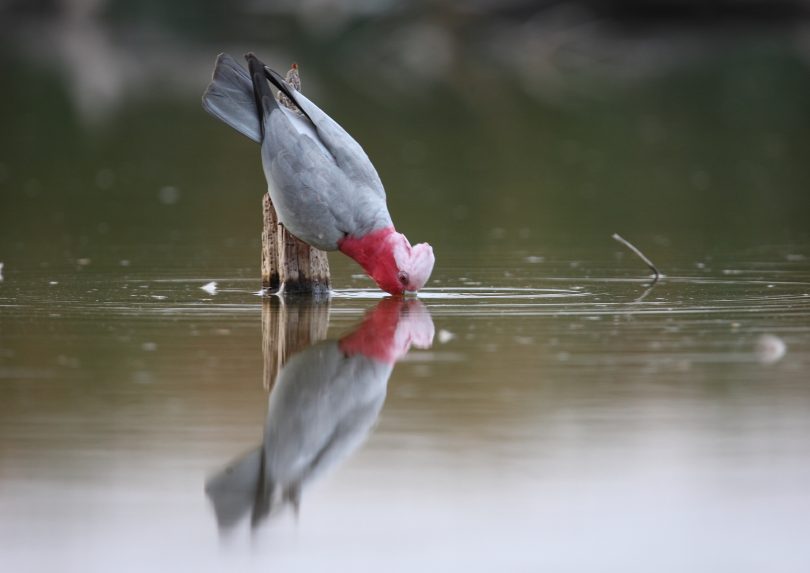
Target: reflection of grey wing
point(322, 408)
point(233, 491)
point(229, 97)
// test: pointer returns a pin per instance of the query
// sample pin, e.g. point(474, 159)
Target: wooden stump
point(290, 265)
point(271, 280)
point(289, 327)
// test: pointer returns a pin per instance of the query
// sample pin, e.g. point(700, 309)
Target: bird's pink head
point(388, 257)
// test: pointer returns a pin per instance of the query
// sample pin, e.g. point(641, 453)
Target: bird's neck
point(369, 250)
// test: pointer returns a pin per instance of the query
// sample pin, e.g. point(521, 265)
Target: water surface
point(585, 418)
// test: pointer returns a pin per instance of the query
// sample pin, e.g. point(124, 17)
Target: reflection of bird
point(324, 188)
point(324, 403)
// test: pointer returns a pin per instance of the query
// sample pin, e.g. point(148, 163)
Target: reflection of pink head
point(388, 257)
point(388, 331)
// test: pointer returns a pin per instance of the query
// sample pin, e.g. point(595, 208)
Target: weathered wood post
point(290, 265)
point(289, 327)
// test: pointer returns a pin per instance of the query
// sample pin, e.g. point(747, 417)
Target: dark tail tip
point(261, 90)
point(255, 66)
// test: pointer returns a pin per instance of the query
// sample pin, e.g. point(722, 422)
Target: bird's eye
point(403, 277)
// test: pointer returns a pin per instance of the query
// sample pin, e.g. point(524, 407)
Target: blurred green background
point(495, 126)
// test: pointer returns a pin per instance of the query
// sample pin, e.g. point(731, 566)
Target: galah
point(324, 188)
point(325, 401)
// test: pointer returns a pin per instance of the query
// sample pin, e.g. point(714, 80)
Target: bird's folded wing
point(348, 154)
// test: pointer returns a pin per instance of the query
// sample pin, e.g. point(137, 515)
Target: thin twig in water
point(641, 255)
point(647, 291)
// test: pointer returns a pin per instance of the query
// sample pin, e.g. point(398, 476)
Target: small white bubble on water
point(143, 377)
point(769, 349)
point(68, 361)
point(169, 195)
point(445, 336)
point(149, 346)
point(422, 370)
point(105, 178)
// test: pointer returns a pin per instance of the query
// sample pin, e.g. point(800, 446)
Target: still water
point(533, 414)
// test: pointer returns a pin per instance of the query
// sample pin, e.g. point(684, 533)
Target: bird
point(323, 186)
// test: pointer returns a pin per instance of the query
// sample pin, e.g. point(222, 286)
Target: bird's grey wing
point(348, 154)
point(229, 97)
point(314, 197)
point(303, 182)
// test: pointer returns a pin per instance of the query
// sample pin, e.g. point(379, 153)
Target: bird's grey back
point(322, 183)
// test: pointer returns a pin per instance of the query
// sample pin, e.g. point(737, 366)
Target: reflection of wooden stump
point(289, 327)
point(288, 264)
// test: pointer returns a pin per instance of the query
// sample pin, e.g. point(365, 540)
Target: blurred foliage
point(476, 153)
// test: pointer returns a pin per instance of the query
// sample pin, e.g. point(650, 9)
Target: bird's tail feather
point(263, 96)
point(230, 98)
